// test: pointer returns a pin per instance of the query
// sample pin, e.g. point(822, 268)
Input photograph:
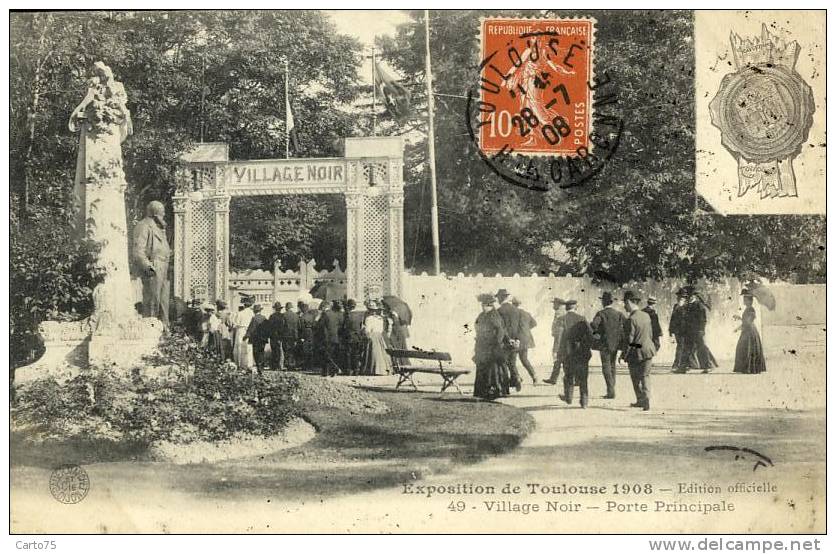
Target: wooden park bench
point(405, 370)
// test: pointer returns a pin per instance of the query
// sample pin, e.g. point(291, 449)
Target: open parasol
point(763, 294)
point(327, 290)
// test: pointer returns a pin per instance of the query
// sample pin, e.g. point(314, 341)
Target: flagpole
point(286, 109)
point(374, 95)
point(431, 141)
point(202, 91)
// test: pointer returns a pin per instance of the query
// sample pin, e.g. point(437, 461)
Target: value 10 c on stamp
point(534, 92)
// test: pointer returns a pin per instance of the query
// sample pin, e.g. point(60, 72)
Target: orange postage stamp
point(534, 83)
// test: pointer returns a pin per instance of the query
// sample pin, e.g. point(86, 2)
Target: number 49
point(457, 506)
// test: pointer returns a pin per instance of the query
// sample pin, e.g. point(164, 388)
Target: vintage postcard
point(495, 271)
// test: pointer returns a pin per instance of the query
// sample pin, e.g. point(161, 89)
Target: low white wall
point(445, 309)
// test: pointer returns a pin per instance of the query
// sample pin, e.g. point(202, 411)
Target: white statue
point(103, 122)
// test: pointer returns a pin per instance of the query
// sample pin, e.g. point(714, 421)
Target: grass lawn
point(422, 434)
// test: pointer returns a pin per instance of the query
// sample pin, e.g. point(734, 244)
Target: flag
point(395, 95)
point(293, 139)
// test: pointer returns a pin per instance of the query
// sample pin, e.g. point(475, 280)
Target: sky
point(365, 25)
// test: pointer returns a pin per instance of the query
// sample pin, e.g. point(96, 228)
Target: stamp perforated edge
point(593, 40)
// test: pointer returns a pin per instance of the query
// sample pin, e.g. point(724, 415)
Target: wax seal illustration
point(764, 112)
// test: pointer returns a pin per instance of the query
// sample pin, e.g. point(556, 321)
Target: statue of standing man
point(151, 254)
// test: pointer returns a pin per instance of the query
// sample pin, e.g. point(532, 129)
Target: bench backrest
point(420, 355)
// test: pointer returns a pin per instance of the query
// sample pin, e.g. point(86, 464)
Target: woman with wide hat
point(376, 327)
point(748, 356)
point(492, 379)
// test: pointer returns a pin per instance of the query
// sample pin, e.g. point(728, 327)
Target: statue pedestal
point(115, 335)
point(74, 346)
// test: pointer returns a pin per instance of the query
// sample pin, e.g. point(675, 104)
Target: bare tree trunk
point(32, 113)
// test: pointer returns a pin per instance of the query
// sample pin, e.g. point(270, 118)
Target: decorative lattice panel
point(202, 250)
point(375, 173)
point(375, 242)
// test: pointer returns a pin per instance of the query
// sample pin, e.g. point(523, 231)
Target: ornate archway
point(370, 177)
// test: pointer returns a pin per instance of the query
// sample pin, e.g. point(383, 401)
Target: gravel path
point(779, 414)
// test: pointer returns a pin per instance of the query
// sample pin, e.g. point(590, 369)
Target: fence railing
point(267, 287)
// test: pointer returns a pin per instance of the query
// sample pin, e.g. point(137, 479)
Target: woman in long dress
point(376, 327)
point(225, 330)
point(748, 356)
point(697, 355)
point(677, 329)
point(492, 380)
point(242, 350)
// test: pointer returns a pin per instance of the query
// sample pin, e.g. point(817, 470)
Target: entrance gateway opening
point(370, 178)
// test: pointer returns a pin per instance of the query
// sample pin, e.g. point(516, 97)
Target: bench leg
point(450, 380)
point(404, 377)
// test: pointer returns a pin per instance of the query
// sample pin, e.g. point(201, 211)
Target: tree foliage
point(218, 76)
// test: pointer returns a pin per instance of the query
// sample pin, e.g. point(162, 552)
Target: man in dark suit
point(650, 310)
point(308, 319)
point(638, 349)
point(258, 334)
point(677, 328)
point(354, 338)
point(698, 355)
point(330, 321)
point(577, 340)
point(275, 323)
point(289, 336)
point(608, 329)
point(511, 318)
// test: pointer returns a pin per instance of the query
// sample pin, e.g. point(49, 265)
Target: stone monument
point(115, 335)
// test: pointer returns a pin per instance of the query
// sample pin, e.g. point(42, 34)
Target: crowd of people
point(634, 336)
point(337, 338)
point(329, 337)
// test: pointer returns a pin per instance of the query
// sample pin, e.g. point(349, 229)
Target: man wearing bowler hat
point(638, 349)
point(512, 319)
point(557, 333)
point(577, 340)
point(650, 310)
point(608, 328)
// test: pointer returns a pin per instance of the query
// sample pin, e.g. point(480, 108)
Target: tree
point(638, 218)
point(183, 70)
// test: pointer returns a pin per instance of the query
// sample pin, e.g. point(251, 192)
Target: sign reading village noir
point(242, 175)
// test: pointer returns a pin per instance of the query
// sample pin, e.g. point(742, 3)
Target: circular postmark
point(539, 116)
point(69, 484)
